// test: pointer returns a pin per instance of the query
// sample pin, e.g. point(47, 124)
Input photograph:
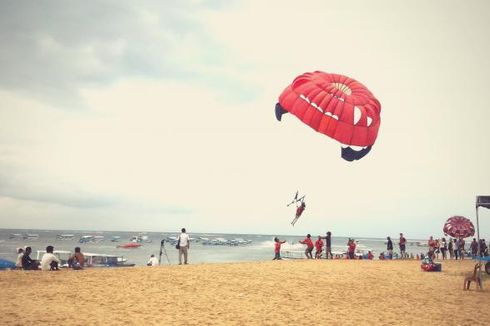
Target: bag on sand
point(177, 246)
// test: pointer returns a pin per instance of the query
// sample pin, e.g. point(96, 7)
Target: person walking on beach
point(318, 247)
point(309, 246)
point(402, 243)
point(456, 248)
point(389, 247)
point(277, 248)
point(183, 246)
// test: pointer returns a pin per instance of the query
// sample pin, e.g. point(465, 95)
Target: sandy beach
point(261, 293)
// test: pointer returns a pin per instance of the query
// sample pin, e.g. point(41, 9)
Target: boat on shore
point(130, 245)
point(91, 259)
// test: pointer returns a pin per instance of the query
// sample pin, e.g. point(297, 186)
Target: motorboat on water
point(65, 237)
point(91, 238)
point(115, 238)
point(130, 245)
point(140, 238)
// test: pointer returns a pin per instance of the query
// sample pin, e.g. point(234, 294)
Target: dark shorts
point(402, 247)
point(309, 250)
point(277, 255)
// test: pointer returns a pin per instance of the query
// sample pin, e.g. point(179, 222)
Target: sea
point(259, 248)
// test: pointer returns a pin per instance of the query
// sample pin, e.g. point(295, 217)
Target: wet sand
point(338, 292)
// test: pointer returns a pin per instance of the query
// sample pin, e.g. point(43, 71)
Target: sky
point(157, 115)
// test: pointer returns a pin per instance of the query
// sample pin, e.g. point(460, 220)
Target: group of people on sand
point(49, 261)
point(454, 248)
point(318, 246)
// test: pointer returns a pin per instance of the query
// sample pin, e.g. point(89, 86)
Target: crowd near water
point(147, 248)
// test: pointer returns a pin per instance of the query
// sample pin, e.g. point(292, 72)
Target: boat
point(130, 245)
point(103, 260)
point(86, 238)
point(115, 238)
point(65, 237)
point(91, 259)
point(140, 238)
point(239, 242)
point(30, 236)
point(15, 236)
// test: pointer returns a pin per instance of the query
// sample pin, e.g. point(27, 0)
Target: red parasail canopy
point(459, 226)
point(337, 106)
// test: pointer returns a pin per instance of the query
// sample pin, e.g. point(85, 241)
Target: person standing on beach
point(351, 250)
point(328, 245)
point(389, 247)
point(462, 251)
point(474, 247)
point(456, 249)
point(184, 245)
point(432, 248)
point(402, 244)
point(309, 246)
point(277, 248)
point(444, 248)
point(450, 248)
point(318, 247)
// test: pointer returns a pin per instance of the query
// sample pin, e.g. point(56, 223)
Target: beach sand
point(338, 292)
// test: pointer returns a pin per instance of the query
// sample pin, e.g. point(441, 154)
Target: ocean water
point(261, 247)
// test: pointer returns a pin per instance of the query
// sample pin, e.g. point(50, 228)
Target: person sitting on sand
point(153, 261)
point(20, 254)
point(77, 260)
point(49, 262)
point(27, 262)
point(370, 255)
point(277, 248)
point(309, 246)
point(318, 247)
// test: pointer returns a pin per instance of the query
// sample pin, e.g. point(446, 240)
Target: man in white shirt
point(153, 261)
point(184, 243)
point(49, 260)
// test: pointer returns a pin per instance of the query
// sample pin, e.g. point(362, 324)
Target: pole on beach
point(478, 238)
point(163, 250)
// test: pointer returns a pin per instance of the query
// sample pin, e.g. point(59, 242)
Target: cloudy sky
point(157, 115)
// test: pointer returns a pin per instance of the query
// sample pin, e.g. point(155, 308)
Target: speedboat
point(130, 245)
point(65, 237)
point(86, 238)
point(115, 238)
point(30, 236)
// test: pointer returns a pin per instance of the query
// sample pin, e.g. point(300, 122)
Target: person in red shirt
point(318, 247)
point(277, 248)
point(309, 246)
point(352, 248)
point(299, 211)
